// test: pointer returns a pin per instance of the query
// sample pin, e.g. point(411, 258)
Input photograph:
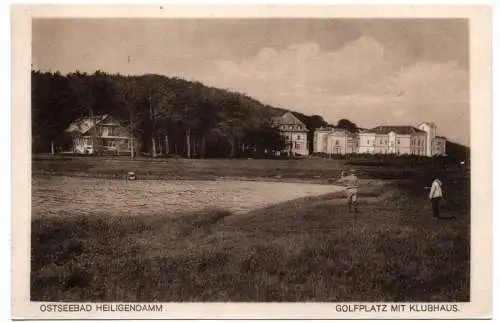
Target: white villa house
point(294, 133)
point(434, 145)
point(397, 140)
point(387, 139)
point(100, 133)
point(335, 141)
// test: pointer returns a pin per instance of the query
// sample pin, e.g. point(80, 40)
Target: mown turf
point(315, 169)
point(305, 250)
point(147, 168)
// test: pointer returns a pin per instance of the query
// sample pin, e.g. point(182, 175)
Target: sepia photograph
point(250, 160)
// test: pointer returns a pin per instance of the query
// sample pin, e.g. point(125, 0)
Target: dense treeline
point(458, 151)
point(168, 115)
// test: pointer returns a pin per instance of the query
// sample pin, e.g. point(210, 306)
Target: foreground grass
point(305, 250)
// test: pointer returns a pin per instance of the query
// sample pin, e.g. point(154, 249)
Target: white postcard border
point(481, 161)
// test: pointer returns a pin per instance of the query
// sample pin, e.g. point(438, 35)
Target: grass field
point(318, 170)
point(304, 247)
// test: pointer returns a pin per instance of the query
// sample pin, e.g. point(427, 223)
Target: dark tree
point(457, 151)
point(262, 141)
point(166, 115)
point(347, 125)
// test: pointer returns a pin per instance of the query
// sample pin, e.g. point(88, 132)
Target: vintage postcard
point(251, 161)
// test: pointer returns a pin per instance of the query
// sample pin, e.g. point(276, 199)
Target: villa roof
point(333, 129)
point(325, 129)
point(400, 130)
point(288, 119)
point(82, 125)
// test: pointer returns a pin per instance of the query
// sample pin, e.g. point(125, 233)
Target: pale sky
point(373, 72)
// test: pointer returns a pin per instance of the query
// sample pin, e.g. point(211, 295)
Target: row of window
point(384, 142)
point(292, 127)
point(102, 141)
point(109, 131)
point(418, 142)
point(340, 150)
point(294, 145)
point(396, 151)
point(337, 143)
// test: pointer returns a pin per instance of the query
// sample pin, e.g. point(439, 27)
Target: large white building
point(335, 141)
point(434, 144)
point(398, 140)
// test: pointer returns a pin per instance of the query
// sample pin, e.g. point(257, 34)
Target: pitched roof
point(325, 129)
point(329, 131)
point(82, 125)
point(288, 119)
point(400, 130)
point(365, 131)
point(342, 130)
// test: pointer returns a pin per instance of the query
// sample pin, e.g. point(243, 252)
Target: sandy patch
point(73, 195)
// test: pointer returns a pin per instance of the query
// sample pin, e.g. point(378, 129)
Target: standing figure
point(351, 190)
point(435, 195)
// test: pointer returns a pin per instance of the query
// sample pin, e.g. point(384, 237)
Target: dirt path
point(76, 196)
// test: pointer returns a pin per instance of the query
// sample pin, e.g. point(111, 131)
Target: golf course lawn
point(307, 247)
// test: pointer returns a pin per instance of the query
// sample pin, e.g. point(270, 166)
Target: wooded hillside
point(199, 121)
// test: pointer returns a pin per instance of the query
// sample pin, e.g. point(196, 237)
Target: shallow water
point(74, 195)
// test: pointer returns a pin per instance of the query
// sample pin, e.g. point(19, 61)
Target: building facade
point(435, 145)
point(439, 146)
point(335, 141)
point(294, 133)
point(320, 140)
point(366, 142)
point(100, 134)
point(397, 140)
